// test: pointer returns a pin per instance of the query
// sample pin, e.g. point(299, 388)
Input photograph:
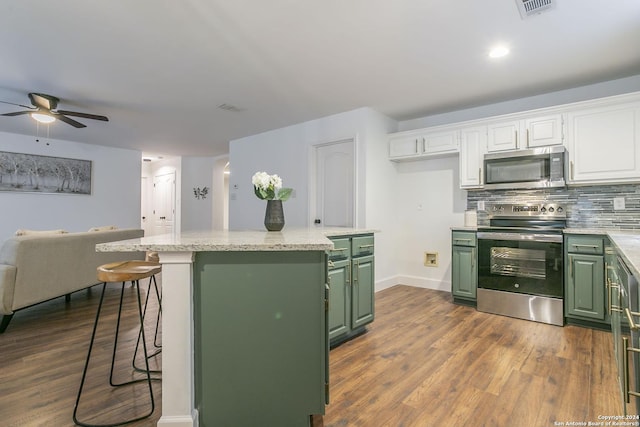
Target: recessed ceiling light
point(498, 52)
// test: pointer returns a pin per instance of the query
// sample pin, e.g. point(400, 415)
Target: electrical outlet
point(618, 203)
point(480, 205)
point(431, 259)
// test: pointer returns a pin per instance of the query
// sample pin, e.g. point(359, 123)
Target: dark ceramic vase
point(274, 215)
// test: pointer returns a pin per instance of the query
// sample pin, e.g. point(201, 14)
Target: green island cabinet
point(464, 266)
point(261, 346)
point(585, 295)
point(351, 286)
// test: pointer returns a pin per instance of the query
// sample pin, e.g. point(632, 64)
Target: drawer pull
point(366, 246)
point(630, 314)
point(586, 246)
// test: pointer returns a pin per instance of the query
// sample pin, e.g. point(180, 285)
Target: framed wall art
point(44, 174)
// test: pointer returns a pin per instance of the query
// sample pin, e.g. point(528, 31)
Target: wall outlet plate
point(618, 203)
point(481, 206)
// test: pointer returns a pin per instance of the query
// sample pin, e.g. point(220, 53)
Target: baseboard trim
point(418, 282)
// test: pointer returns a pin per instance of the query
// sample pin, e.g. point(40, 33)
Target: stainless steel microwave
point(535, 168)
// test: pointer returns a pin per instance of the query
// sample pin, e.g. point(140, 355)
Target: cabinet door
point(464, 276)
point(473, 145)
point(604, 144)
point(440, 142)
point(362, 307)
point(339, 298)
point(503, 136)
point(405, 146)
point(585, 286)
point(544, 131)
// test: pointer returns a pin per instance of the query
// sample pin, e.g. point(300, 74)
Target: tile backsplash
point(587, 207)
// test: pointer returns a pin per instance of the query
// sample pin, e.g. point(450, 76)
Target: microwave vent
point(528, 8)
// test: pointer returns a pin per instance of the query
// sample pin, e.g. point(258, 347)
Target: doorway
point(333, 184)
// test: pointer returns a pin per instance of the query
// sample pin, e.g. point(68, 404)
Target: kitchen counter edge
point(295, 239)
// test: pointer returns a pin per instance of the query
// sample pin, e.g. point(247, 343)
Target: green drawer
point(585, 244)
point(342, 248)
point(362, 245)
point(463, 238)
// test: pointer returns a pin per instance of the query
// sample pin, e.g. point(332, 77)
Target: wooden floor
point(423, 362)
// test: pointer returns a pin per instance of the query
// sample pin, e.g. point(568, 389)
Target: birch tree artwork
point(44, 174)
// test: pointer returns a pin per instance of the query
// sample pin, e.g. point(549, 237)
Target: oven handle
point(520, 236)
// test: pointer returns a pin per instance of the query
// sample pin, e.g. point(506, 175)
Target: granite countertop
point(627, 244)
point(292, 239)
point(464, 228)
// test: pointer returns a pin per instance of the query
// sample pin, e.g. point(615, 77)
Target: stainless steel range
point(520, 262)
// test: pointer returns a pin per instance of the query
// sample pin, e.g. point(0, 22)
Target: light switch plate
point(618, 203)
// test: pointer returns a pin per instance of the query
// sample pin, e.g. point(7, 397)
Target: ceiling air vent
point(528, 8)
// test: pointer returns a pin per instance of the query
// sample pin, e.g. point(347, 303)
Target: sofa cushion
point(104, 228)
point(25, 232)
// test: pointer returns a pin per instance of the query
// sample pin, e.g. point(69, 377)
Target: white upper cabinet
point(404, 146)
point(604, 144)
point(503, 136)
point(544, 131)
point(417, 145)
point(473, 146)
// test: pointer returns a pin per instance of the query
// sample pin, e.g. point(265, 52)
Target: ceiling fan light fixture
point(43, 118)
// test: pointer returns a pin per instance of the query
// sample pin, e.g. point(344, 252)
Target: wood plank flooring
point(423, 362)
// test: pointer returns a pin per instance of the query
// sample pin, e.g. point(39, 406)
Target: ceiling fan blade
point(69, 121)
point(17, 113)
point(83, 115)
point(19, 105)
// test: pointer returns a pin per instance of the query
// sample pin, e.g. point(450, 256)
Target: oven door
point(521, 262)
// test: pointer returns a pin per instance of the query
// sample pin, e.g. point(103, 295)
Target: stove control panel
point(544, 210)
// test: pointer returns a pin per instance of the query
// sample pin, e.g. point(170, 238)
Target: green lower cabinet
point(351, 288)
point(585, 286)
point(339, 298)
point(464, 266)
point(585, 291)
point(363, 291)
point(260, 338)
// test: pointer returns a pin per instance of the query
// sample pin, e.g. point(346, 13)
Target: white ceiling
point(159, 68)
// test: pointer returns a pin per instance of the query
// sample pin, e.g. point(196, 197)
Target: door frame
point(312, 159)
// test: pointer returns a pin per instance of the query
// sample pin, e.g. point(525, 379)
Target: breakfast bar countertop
point(292, 239)
point(627, 244)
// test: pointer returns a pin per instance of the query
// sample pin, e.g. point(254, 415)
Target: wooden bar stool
point(125, 271)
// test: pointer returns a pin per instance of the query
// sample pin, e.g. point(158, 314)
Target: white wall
point(197, 214)
point(220, 196)
point(286, 152)
point(115, 197)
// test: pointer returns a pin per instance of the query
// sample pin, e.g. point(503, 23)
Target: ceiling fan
point(44, 110)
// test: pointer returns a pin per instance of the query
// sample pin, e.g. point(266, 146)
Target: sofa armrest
point(7, 286)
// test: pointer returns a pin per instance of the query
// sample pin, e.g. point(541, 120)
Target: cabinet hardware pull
point(461, 240)
point(365, 246)
point(473, 258)
point(348, 280)
point(424, 144)
point(571, 267)
point(479, 175)
point(355, 272)
point(516, 135)
point(630, 314)
point(625, 368)
point(625, 363)
point(417, 150)
point(586, 246)
point(571, 169)
point(528, 137)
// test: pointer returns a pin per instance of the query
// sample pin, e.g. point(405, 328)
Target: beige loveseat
point(36, 268)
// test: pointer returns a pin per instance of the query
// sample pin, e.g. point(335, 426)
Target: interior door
point(335, 184)
point(164, 195)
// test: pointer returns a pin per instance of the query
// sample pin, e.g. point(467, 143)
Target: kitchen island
point(244, 325)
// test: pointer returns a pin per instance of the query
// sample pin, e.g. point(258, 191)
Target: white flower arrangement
point(269, 187)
